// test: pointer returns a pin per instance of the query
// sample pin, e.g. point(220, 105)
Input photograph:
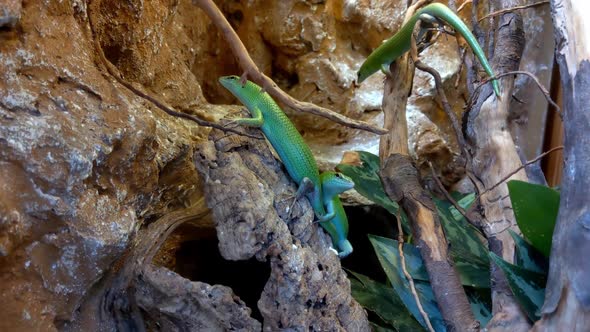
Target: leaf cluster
point(393, 303)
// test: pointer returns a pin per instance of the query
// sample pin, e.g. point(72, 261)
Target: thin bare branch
point(446, 106)
point(400, 247)
point(251, 70)
point(452, 117)
point(465, 3)
point(476, 223)
point(114, 72)
point(508, 10)
point(533, 77)
point(509, 175)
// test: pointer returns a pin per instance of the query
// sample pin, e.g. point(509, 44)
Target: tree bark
point(494, 155)
point(402, 184)
point(249, 193)
point(567, 297)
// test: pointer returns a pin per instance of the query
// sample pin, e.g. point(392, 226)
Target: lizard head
point(244, 90)
point(334, 183)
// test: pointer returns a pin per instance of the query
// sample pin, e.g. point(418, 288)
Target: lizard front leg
point(255, 121)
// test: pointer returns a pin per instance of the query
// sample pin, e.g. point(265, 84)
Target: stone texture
point(83, 163)
point(10, 11)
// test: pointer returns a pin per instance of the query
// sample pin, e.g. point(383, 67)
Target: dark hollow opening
point(200, 260)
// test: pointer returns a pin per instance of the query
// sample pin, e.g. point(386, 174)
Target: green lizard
point(400, 43)
point(334, 183)
point(284, 137)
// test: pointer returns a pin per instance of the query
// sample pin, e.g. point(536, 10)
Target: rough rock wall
point(83, 160)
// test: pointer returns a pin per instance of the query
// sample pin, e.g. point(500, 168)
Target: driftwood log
point(494, 155)
point(567, 297)
point(249, 194)
point(402, 183)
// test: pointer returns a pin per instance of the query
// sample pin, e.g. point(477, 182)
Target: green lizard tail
point(400, 43)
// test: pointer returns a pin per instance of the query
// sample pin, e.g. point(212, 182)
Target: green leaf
point(480, 305)
point(379, 328)
point(527, 256)
point(414, 263)
point(527, 286)
point(464, 202)
point(466, 247)
point(383, 301)
point(388, 255)
point(368, 183)
point(535, 208)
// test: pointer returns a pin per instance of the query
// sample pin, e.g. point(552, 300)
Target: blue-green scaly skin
point(400, 43)
point(333, 184)
point(282, 135)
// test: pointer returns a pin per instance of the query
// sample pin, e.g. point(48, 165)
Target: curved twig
point(400, 247)
point(533, 77)
point(476, 223)
point(114, 72)
point(507, 10)
point(252, 71)
point(532, 161)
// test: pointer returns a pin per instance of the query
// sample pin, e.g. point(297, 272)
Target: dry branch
point(531, 76)
point(567, 297)
point(251, 70)
point(400, 248)
point(401, 182)
point(494, 155)
point(114, 72)
point(511, 9)
point(518, 169)
point(446, 106)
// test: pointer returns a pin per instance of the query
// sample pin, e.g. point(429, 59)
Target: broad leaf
point(480, 305)
point(464, 202)
point(368, 183)
point(379, 328)
point(527, 286)
point(527, 256)
point(535, 208)
point(386, 250)
point(383, 301)
point(466, 246)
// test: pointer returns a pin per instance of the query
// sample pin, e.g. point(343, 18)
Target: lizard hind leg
point(385, 70)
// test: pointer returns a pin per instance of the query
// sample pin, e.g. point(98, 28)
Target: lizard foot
point(244, 79)
point(305, 187)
